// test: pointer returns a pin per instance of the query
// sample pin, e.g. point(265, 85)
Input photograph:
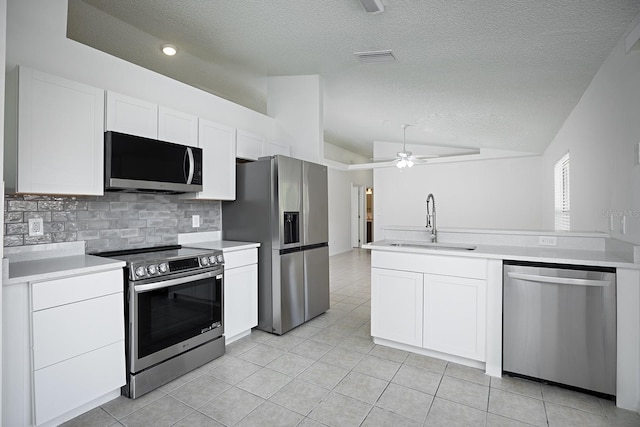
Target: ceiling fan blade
point(424, 156)
point(383, 159)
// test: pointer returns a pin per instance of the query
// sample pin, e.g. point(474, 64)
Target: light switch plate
point(36, 227)
point(195, 221)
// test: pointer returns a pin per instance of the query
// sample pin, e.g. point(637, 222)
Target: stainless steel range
point(173, 313)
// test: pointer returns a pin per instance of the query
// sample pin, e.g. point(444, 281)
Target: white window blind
point(561, 191)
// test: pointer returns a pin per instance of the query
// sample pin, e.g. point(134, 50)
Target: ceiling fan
point(404, 158)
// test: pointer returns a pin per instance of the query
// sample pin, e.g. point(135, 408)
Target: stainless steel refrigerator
point(282, 203)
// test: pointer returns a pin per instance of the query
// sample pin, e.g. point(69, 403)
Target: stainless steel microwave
point(136, 164)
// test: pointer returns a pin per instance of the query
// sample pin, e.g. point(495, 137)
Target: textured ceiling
point(495, 74)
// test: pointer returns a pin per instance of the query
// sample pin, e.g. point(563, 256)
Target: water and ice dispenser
point(291, 227)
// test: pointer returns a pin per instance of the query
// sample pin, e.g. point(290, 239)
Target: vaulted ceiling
point(489, 74)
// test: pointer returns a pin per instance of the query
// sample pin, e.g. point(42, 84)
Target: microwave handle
point(189, 155)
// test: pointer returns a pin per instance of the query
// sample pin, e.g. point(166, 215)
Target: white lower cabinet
point(443, 313)
point(455, 315)
point(68, 385)
point(240, 293)
point(64, 342)
point(396, 306)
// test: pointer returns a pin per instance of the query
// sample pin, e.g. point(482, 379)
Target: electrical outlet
point(195, 221)
point(36, 227)
point(547, 241)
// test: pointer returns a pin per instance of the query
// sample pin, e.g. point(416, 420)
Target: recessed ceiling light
point(169, 49)
point(373, 6)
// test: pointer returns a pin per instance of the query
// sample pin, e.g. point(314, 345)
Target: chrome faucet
point(431, 219)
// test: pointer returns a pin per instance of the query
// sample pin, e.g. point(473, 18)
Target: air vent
point(373, 6)
point(375, 56)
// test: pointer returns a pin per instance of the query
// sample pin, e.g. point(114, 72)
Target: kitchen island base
point(430, 353)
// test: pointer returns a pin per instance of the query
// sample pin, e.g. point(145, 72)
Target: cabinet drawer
point(240, 258)
point(71, 289)
point(70, 384)
point(63, 332)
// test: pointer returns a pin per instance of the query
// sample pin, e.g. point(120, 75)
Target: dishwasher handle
point(559, 280)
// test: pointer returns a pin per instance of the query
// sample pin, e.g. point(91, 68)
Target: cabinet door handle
point(559, 280)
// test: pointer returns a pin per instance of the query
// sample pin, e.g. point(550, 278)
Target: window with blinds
point(561, 191)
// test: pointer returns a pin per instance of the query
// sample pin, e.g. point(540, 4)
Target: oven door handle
point(172, 282)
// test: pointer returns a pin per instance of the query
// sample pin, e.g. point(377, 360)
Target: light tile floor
point(329, 372)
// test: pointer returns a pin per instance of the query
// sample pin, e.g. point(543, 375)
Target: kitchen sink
point(429, 245)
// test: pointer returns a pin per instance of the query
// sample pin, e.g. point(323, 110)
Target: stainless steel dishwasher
point(559, 324)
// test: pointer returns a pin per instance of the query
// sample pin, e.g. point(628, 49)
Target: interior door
point(355, 217)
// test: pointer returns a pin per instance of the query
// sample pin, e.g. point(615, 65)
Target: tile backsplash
point(110, 222)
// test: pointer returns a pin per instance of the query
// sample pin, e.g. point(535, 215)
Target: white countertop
point(47, 262)
point(57, 267)
point(532, 254)
point(499, 231)
point(223, 245)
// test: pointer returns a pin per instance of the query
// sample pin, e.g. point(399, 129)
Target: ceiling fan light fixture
point(169, 49)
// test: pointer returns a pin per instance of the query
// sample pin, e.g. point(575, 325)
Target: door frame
point(358, 215)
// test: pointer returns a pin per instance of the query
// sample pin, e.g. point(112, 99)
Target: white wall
point(602, 135)
point(501, 194)
point(340, 183)
point(3, 26)
point(36, 37)
point(295, 102)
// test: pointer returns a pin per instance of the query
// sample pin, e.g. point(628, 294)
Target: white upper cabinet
point(272, 149)
point(54, 135)
point(218, 144)
point(177, 127)
point(132, 116)
point(142, 118)
point(249, 146)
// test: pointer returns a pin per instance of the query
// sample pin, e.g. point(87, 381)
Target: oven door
point(171, 316)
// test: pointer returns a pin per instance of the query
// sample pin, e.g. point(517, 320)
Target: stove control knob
point(204, 261)
point(141, 272)
point(220, 258)
point(163, 267)
point(152, 269)
point(212, 259)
